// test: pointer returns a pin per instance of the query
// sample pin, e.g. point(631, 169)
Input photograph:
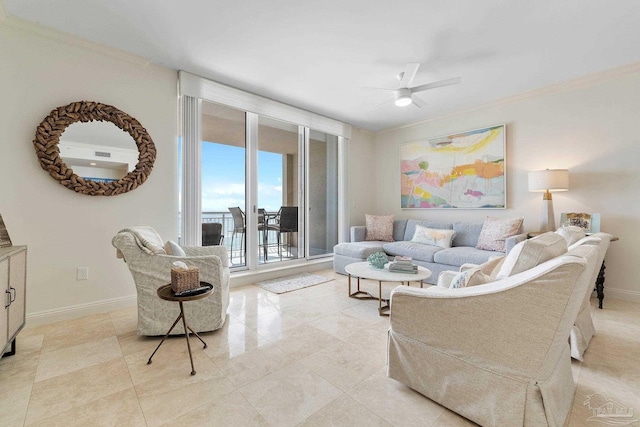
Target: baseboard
point(237, 279)
point(623, 294)
point(74, 311)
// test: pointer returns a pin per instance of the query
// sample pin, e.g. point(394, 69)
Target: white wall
point(589, 127)
point(40, 71)
point(361, 176)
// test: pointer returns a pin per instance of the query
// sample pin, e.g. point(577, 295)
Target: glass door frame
point(341, 170)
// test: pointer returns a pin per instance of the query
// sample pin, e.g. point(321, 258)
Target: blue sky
point(223, 178)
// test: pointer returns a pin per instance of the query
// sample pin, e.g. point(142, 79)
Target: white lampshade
point(549, 179)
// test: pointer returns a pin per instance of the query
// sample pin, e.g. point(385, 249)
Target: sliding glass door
point(223, 177)
point(322, 193)
point(279, 190)
point(266, 174)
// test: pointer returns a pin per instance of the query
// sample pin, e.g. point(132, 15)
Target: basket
point(183, 280)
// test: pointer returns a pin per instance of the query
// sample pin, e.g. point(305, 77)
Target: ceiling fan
point(404, 95)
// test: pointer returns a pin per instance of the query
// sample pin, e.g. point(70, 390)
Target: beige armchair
point(150, 266)
point(498, 353)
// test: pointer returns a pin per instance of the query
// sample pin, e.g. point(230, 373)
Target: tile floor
point(312, 357)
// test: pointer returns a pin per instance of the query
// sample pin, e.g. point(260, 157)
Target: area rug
point(292, 283)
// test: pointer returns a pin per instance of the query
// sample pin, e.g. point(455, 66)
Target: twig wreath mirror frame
point(48, 136)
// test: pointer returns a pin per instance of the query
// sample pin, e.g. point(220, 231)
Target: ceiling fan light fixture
point(403, 97)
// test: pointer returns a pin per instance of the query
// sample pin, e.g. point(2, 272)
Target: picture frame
point(464, 170)
point(589, 221)
point(5, 240)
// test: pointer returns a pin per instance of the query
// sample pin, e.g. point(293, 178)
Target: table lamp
point(548, 181)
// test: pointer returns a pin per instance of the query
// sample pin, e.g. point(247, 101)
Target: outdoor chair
point(239, 227)
point(286, 222)
point(212, 234)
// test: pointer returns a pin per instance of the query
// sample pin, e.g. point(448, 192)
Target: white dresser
point(13, 287)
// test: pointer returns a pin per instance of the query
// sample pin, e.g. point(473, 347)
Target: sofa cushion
point(571, 234)
point(496, 230)
point(462, 255)
point(468, 278)
point(433, 236)
point(410, 230)
point(466, 234)
point(399, 227)
point(530, 253)
point(379, 228)
point(417, 251)
point(360, 250)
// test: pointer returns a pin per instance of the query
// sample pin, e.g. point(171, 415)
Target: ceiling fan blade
point(418, 102)
point(409, 74)
point(374, 89)
point(434, 85)
point(381, 104)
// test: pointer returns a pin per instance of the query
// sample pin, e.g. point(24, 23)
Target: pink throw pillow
point(379, 228)
point(495, 231)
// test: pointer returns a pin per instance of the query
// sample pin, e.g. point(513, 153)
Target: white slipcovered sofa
point(144, 252)
point(496, 353)
point(583, 329)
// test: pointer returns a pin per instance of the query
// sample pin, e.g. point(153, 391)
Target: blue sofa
point(436, 259)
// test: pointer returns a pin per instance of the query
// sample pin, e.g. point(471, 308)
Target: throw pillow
point(571, 233)
point(530, 253)
point(492, 267)
point(172, 248)
point(433, 236)
point(468, 278)
point(495, 231)
point(379, 228)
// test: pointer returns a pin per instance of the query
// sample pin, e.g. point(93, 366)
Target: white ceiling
point(312, 53)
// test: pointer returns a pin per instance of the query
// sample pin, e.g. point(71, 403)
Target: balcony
point(238, 258)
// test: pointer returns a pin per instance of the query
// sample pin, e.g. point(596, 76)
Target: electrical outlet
point(83, 273)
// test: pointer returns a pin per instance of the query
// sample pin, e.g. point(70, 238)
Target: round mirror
point(98, 151)
point(87, 147)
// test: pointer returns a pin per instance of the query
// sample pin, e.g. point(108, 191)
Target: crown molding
point(51, 34)
point(588, 80)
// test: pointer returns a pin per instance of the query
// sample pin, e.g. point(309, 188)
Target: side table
point(166, 293)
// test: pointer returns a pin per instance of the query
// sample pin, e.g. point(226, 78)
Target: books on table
point(402, 264)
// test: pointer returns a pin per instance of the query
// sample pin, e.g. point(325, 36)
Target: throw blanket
point(147, 239)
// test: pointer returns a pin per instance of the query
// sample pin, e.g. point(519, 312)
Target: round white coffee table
point(362, 270)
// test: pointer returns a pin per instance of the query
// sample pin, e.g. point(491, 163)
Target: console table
point(599, 285)
point(13, 285)
point(600, 279)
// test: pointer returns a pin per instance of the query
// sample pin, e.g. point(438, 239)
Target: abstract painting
point(464, 170)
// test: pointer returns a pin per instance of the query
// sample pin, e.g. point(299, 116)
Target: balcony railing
point(226, 219)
